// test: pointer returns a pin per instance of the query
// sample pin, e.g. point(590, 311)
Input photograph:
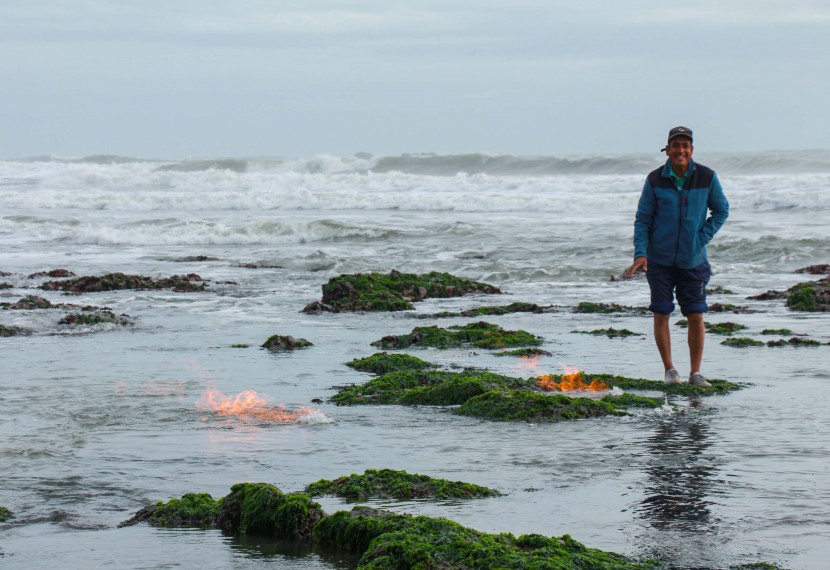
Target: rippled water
point(99, 422)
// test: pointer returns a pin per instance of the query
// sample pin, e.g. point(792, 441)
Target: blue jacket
point(673, 227)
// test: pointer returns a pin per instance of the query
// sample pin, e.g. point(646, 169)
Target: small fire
point(573, 380)
point(249, 404)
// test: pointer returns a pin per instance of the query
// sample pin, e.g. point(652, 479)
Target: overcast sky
point(210, 78)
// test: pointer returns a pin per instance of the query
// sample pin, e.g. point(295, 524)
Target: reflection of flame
point(572, 380)
point(249, 404)
point(528, 363)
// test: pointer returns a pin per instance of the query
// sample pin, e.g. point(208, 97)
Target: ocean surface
point(97, 422)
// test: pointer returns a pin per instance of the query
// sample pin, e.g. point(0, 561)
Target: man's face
point(680, 150)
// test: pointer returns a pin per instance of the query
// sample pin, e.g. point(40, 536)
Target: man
point(680, 210)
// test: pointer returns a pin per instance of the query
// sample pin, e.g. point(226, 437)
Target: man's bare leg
point(697, 334)
point(662, 336)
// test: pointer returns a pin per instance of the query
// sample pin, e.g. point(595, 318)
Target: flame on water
point(573, 380)
point(248, 404)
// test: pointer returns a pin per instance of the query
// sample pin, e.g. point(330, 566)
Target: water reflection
point(680, 475)
point(291, 554)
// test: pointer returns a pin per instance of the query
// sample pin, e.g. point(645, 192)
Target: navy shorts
point(689, 285)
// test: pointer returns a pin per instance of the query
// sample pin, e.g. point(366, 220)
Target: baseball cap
point(678, 132)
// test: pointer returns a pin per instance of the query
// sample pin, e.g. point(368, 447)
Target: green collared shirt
point(679, 182)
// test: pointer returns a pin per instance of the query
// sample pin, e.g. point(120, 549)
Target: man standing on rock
point(680, 210)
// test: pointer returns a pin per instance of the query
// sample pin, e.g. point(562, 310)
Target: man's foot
point(697, 379)
point(672, 377)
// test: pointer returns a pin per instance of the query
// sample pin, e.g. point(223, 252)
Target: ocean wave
point(427, 164)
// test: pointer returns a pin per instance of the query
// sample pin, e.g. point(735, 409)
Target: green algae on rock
point(388, 483)
point(192, 510)
point(794, 341)
point(718, 386)
point(283, 343)
point(384, 362)
point(427, 387)
point(813, 296)
point(607, 308)
point(515, 405)
point(782, 332)
point(610, 333)
point(393, 292)
point(819, 269)
point(6, 331)
point(260, 508)
point(28, 303)
point(517, 307)
point(480, 335)
point(5, 514)
point(119, 281)
point(742, 342)
point(388, 540)
point(524, 352)
point(95, 317)
point(250, 508)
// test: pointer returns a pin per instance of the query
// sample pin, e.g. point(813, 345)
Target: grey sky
point(180, 78)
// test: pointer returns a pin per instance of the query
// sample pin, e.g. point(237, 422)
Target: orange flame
point(248, 404)
point(572, 380)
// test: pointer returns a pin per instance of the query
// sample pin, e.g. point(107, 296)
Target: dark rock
point(55, 274)
point(284, 343)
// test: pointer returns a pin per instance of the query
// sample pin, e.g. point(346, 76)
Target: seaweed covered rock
point(393, 292)
point(819, 269)
point(388, 483)
point(607, 308)
point(813, 296)
point(524, 353)
point(5, 514)
point(516, 405)
point(427, 387)
point(29, 303)
point(388, 540)
point(718, 386)
point(260, 508)
point(517, 307)
point(53, 273)
point(281, 343)
point(95, 317)
point(480, 335)
point(119, 281)
point(6, 331)
point(610, 332)
point(384, 362)
point(197, 510)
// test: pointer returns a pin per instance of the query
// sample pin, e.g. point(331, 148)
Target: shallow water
point(98, 422)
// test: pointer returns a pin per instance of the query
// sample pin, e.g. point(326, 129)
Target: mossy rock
point(516, 405)
point(610, 333)
point(794, 341)
point(197, 510)
point(120, 281)
point(719, 290)
point(388, 483)
point(28, 303)
point(97, 317)
point(480, 334)
point(718, 386)
point(53, 273)
point(384, 362)
point(388, 540)
point(742, 342)
point(6, 331)
point(810, 297)
point(727, 328)
point(427, 387)
point(5, 514)
point(518, 307)
point(282, 343)
point(629, 400)
point(393, 292)
point(729, 308)
point(781, 332)
point(524, 352)
point(608, 308)
point(820, 269)
point(262, 509)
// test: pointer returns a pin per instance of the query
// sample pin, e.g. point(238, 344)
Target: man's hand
point(640, 263)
